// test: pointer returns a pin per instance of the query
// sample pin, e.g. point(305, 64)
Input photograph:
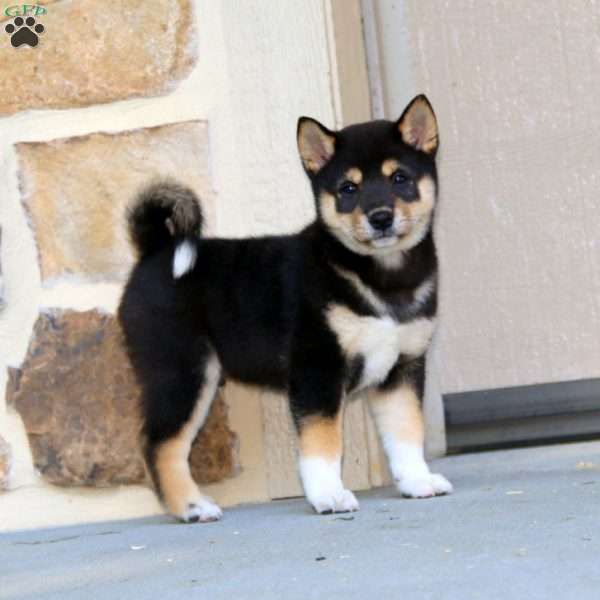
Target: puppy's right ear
point(316, 144)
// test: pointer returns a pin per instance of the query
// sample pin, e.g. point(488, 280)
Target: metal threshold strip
point(522, 416)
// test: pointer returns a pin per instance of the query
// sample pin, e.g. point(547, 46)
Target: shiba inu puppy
point(346, 304)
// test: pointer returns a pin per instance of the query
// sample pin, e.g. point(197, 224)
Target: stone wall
point(92, 52)
point(77, 395)
point(74, 389)
point(76, 190)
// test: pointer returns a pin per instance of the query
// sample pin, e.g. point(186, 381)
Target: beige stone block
point(76, 191)
point(78, 398)
point(5, 463)
point(93, 52)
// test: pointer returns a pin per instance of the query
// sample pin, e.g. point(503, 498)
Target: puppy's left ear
point(418, 126)
point(316, 144)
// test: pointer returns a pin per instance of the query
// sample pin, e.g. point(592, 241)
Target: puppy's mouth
point(383, 239)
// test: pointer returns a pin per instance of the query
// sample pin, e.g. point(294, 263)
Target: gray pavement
point(521, 524)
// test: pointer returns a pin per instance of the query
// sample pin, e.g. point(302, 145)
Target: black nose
point(381, 219)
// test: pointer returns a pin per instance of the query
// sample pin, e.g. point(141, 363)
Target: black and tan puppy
point(346, 304)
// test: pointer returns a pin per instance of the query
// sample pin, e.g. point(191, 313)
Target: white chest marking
point(378, 340)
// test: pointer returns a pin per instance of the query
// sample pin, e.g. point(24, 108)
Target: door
point(518, 230)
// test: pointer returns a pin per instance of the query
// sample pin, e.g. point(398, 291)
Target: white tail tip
point(184, 258)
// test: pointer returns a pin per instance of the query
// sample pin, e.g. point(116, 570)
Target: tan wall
point(515, 87)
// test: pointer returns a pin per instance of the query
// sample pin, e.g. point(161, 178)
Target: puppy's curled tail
point(162, 213)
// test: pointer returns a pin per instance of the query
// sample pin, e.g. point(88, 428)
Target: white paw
point(336, 502)
point(202, 511)
point(426, 486)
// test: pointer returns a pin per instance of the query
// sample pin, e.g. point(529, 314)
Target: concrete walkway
point(522, 524)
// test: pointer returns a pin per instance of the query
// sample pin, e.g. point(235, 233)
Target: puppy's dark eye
point(348, 188)
point(399, 178)
point(347, 197)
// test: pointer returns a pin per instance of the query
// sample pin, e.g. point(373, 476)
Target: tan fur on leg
point(179, 491)
point(321, 436)
point(321, 465)
point(398, 413)
point(399, 420)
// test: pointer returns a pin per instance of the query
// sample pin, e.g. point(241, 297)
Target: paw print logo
point(24, 32)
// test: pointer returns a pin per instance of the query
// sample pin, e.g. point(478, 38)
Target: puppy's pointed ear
point(316, 144)
point(418, 125)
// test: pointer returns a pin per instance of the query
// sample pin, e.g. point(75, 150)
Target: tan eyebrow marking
point(389, 166)
point(354, 175)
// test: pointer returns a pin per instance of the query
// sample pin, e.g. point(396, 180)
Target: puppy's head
point(375, 183)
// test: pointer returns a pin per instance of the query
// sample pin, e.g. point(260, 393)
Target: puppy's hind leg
point(175, 410)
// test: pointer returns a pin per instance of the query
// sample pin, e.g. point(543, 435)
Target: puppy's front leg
point(321, 464)
point(396, 409)
point(316, 402)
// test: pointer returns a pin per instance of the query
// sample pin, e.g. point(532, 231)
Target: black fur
point(260, 303)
